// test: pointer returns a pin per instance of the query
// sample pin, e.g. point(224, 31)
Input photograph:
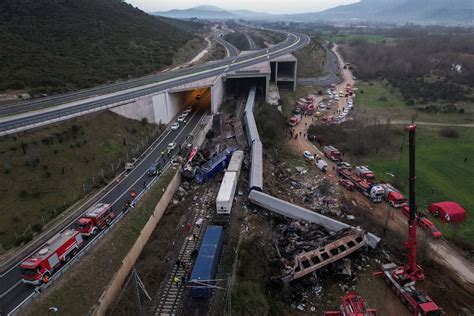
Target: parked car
point(175, 126)
point(181, 118)
point(308, 155)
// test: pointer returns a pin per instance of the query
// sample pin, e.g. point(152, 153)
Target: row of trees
point(426, 67)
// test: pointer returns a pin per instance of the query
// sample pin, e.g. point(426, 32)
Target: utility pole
point(137, 293)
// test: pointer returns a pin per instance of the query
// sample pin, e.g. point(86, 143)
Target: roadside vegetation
point(45, 171)
point(105, 257)
point(48, 47)
point(311, 59)
point(238, 39)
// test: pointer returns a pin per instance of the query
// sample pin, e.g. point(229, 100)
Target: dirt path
point(433, 124)
point(441, 250)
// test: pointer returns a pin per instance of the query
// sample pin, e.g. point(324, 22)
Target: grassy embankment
point(311, 60)
point(48, 176)
point(441, 171)
point(106, 257)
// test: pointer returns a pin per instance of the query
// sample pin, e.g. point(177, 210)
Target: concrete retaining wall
point(217, 94)
point(115, 286)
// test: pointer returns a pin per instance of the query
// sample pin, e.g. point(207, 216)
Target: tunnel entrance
point(236, 88)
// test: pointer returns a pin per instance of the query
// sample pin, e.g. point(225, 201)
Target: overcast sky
point(269, 6)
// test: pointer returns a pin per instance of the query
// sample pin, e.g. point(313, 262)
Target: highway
point(105, 96)
point(231, 50)
point(13, 291)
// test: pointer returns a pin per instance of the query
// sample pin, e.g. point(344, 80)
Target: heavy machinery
point(401, 279)
point(352, 305)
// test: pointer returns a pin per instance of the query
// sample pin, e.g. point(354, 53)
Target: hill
point(57, 46)
point(454, 12)
point(207, 12)
point(201, 12)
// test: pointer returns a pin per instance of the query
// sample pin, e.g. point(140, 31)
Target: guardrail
point(21, 307)
point(7, 264)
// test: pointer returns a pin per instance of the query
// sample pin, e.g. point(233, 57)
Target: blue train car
point(205, 267)
point(214, 166)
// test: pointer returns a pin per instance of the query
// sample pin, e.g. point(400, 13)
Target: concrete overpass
point(156, 97)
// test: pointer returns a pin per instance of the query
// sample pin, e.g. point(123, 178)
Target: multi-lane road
point(26, 114)
point(12, 291)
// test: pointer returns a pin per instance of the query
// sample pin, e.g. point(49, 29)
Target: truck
point(332, 153)
point(205, 268)
point(214, 166)
point(294, 120)
point(364, 173)
point(95, 219)
point(372, 191)
point(423, 222)
point(225, 197)
point(393, 196)
point(321, 164)
point(130, 165)
point(57, 251)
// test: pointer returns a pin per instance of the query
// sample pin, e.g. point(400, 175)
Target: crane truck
point(402, 279)
point(57, 251)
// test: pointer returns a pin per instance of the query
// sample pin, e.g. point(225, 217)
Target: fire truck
point(373, 192)
point(352, 305)
point(57, 251)
point(95, 219)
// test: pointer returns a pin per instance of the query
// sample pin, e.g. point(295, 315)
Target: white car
point(187, 111)
point(181, 118)
point(336, 98)
point(171, 146)
point(175, 126)
point(308, 155)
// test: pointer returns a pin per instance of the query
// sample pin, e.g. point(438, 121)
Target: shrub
point(37, 228)
point(449, 132)
point(23, 239)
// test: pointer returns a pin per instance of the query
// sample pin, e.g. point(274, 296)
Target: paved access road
point(26, 114)
point(13, 291)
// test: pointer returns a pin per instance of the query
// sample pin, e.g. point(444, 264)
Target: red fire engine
point(96, 218)
point(58, 250)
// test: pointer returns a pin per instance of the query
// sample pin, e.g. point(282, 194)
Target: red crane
point(401, 279)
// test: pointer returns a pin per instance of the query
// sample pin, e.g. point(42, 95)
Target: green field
point(311, 60)
point(382, 99)
point(442, 174)
point(378, 94)
point(372, 38)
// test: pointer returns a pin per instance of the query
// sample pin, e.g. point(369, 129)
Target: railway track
point(169, 300)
